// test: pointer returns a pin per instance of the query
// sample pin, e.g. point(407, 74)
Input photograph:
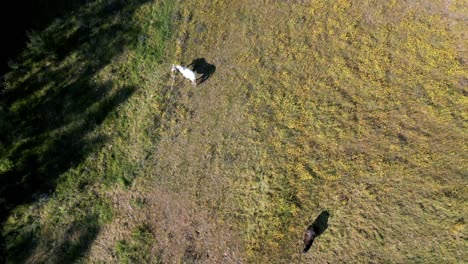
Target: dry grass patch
point(177, 230)
point(357, 108)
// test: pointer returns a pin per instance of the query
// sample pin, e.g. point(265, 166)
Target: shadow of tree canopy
point(76, 240)
point(72, 245)
point(29, 15)
point(52, 101)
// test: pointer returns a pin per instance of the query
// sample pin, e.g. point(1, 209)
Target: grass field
point(358, 110)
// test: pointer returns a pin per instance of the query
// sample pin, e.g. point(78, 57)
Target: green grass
point(354, 109)
point(138, 250)
point(70, 128)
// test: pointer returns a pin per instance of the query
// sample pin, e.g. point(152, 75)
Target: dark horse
point(316, 229)
point(202, 67)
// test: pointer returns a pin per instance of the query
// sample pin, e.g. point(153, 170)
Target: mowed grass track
point(357, 109)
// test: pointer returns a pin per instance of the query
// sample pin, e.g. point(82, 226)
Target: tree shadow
point(73, 244)
point(29, 15)
point(77, 240)
point(316, 229)
point(53, 101)
point(201, 66)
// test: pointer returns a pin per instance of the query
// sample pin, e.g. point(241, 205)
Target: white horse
point(186, 72)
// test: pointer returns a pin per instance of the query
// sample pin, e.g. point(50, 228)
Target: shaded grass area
point(28, 15)
point(66, 129)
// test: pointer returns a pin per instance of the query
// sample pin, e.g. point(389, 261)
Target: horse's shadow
point(321, 223)
point(201, 66)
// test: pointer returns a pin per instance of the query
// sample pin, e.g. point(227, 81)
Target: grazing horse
point(309, 237)
point(186, 72)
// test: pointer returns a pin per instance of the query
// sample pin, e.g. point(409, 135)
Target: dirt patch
point(182, 230)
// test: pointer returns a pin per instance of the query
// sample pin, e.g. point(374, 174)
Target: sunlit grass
point(353, 108)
